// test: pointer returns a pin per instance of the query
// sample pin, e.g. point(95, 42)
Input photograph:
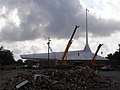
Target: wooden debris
point(22, 84)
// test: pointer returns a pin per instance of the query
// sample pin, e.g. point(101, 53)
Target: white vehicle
point(108, 68)
point(36, 65)
point(25, 66)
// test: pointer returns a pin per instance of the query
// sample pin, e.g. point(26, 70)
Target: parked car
point(107, 68)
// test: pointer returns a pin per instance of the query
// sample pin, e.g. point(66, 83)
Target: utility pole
point(48, 50)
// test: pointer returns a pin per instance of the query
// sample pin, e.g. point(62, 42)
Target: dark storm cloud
point(102, 27)
point(54, 18)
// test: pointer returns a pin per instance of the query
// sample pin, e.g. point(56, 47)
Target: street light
point(48, 50)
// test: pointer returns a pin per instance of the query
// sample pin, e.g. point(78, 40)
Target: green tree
point(19, 62)
point(115, 57)
point(6, 56)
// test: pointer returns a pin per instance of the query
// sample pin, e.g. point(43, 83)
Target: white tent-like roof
point(85, 54)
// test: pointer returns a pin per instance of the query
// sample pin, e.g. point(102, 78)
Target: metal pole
point(48, 54)
point(48, 50)
point(86, 27)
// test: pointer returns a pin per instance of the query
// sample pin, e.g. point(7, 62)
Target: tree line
point(7, 57)
point(114, 58)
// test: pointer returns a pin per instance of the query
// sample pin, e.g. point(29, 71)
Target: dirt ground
point(115, 75)
point(7, 74)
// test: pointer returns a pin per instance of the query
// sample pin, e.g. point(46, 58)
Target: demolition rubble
point(79, 78)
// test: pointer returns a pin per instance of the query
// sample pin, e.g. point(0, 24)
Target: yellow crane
point(63, 61)
point(93, 63)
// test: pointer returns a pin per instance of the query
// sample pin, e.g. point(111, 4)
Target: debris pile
point(53, 79)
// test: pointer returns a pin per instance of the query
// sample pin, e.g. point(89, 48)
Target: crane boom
point(63, 61)
point(93, 61)
point(98, 48)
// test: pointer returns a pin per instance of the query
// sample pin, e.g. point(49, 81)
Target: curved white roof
point(71, 55)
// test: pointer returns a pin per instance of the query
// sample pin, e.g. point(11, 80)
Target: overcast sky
point(25, 25)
